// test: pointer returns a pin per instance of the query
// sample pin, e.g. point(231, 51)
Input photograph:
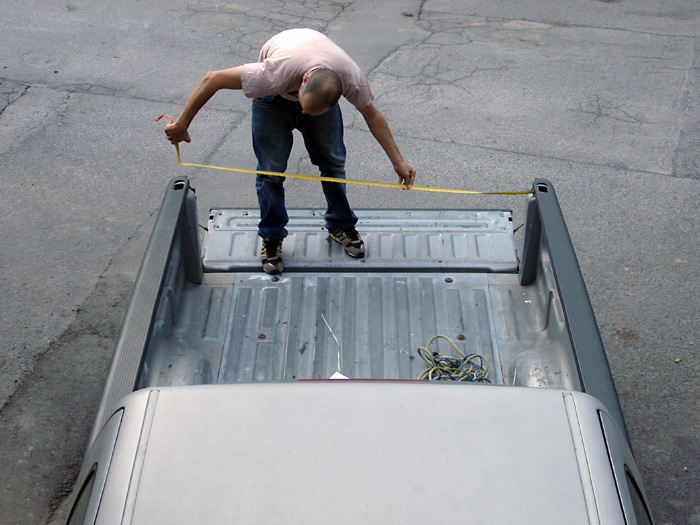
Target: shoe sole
point(272, 271)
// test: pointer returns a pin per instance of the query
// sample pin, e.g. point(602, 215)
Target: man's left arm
point(377, 124)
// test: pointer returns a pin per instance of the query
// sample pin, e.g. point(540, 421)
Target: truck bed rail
point(546, 236)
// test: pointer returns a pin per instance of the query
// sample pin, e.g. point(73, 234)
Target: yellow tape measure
point(344, 181)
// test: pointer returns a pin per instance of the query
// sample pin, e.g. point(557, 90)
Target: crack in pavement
point(10, 96)
point(20, 138)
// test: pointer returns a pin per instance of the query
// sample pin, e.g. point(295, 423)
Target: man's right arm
point(210, 84)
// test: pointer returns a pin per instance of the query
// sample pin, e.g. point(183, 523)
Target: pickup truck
point(219, 405)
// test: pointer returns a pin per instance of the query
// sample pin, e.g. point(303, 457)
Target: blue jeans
point(274, 119)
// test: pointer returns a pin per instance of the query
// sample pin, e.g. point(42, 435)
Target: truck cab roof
point(355, 451)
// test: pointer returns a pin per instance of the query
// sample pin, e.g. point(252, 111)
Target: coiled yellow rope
point(472, 367)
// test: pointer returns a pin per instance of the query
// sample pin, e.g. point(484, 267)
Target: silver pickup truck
point(219, 406)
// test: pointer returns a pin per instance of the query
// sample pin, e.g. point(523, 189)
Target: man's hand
point(210, 84)
point(406, 174)
point(176, 133)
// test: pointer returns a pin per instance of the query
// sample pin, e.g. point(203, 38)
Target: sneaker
point(351, 241)
point(271, 255)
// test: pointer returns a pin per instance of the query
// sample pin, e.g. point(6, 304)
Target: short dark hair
point(325, 86)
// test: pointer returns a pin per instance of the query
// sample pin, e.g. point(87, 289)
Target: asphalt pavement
point(600, 97)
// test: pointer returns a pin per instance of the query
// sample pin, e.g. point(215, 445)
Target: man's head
point(320, 91)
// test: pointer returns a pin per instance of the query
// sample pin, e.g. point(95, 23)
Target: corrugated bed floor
point(311, 326)
point(329, 313)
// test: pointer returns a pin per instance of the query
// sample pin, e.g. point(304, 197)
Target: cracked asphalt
point(600, 97)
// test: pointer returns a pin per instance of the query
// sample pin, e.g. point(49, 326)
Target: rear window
point(638, 506)
point(77, 515)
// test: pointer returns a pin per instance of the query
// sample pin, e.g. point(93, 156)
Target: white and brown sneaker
point(271, 255)
point(352, 242)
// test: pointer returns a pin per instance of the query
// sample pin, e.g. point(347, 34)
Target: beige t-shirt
point(289, 55)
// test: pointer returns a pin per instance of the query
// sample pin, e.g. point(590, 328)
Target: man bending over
point(296, 84)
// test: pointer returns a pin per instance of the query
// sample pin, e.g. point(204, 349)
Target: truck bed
point(427, 273)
